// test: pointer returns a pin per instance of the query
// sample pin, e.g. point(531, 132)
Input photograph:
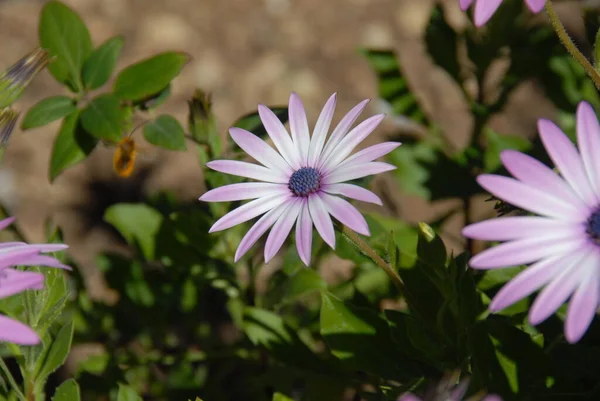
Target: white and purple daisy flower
point(562, 243)
point(484, 9)
point(14, 281)
point(301, 179)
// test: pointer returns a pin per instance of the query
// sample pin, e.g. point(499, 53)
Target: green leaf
point(126, 393)
point(165, 132)
point(72, 145)
point(65, 36)
point(149, 76)
point(48, 110)
point(496, 143)
point(252, 122)
point(59, 350)
point(281, 397)
point(359, 338)
point(104, 118)
point(138, 223)
point(67, 391)
point(100, 65)
point(430, 247)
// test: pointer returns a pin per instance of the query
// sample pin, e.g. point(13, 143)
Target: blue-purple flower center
point(305, 181)
point(593, 226)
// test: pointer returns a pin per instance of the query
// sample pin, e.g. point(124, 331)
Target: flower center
point(305, 181)
point(593, 226)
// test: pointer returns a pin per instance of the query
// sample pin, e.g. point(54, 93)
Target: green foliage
point(48, 110)
point(166, 132)
point(67, 391)
point(101, 63)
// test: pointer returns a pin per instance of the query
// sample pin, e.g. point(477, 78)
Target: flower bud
point(8, 120)
point(16, 78)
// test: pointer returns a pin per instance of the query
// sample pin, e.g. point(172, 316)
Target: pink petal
point(340, 131)
point(11, 244)
point(299, 127)
point(346, 213)
point(16, 332)
point(535, 5)
point(528, 281)
point(409, 397)
point(249, 211)
point(511, 228)
point(43, 260)
point(260, 151)
point(352, 192)
point(556, 293)
point(351, 141)
point(492, 397)
point(304, 234)
point(564, 155)
point(282, 229)
point(279, 136)
point(248, 170)
point(371, 153)
point(356, 171)
point(484, 9)
point(242, 191)
point(321, 219)
point(16, 255)
point(524, 251)
point(258, 229)
point(526, 197)
point(588, 138)
point(537, 175)
point(583, 305)
point(15, 281)
point(320, 132)
point(7, 222)
point(464, 4)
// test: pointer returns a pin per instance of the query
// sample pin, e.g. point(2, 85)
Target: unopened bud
point(16, 78)
point(8, 120)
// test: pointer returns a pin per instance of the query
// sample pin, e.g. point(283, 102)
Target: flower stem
point(12, 381)
point(374, 256)
point(567, 42)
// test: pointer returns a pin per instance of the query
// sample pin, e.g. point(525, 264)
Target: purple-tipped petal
point(352, 192)
point(281, 229)
point(527, 282)
point(320, 132)
point(279, 136)
point(341, 129)
point(371, 153)
point(583, 305)
point(484, 9)
point(7, 222)
point(249, 211)
point(511, 228)
point(537, 175)
point(558, 291)
point(304, 233)
point(243, 191)
point(464, 4)
point(351, 141)
point(258, 229)
point(260, 151)
point(564, 155)
point(43, 260)
point(345, 213)
point(15, 281)
point(528, 198)
point(535, 5)
point(16, 332)
point(524, 251)
point(356, 171)
point(248, 170)
point(299, 127)
point(588, 138)
point(321, 219)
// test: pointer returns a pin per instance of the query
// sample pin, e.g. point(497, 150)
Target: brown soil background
point(244, 52)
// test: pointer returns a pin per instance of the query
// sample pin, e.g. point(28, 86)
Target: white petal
point(243, 191)
point(248, 170)
point(279, 136)
point(352, 192)
point(345, 213)
point(321, 219)
point(299, 127)
point(258, 229)
point(304, 233)
point(320, 132)
point(281, 229)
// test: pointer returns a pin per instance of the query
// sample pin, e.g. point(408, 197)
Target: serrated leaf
point(64, 35)
point(71, 146)
point(59, 350)
point(48, 110)
point(104, 118)
point(165, 132)
point(99, 66)
point(149, 76)
point(67, 391)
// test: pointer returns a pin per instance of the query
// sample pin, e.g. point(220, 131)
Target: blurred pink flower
point(301, 178)
point(484, 9)
point(562, 244)
point(14, 281)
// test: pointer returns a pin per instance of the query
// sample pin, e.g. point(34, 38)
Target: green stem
point(567, 42)
point(12, 381)
point(374, 256)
